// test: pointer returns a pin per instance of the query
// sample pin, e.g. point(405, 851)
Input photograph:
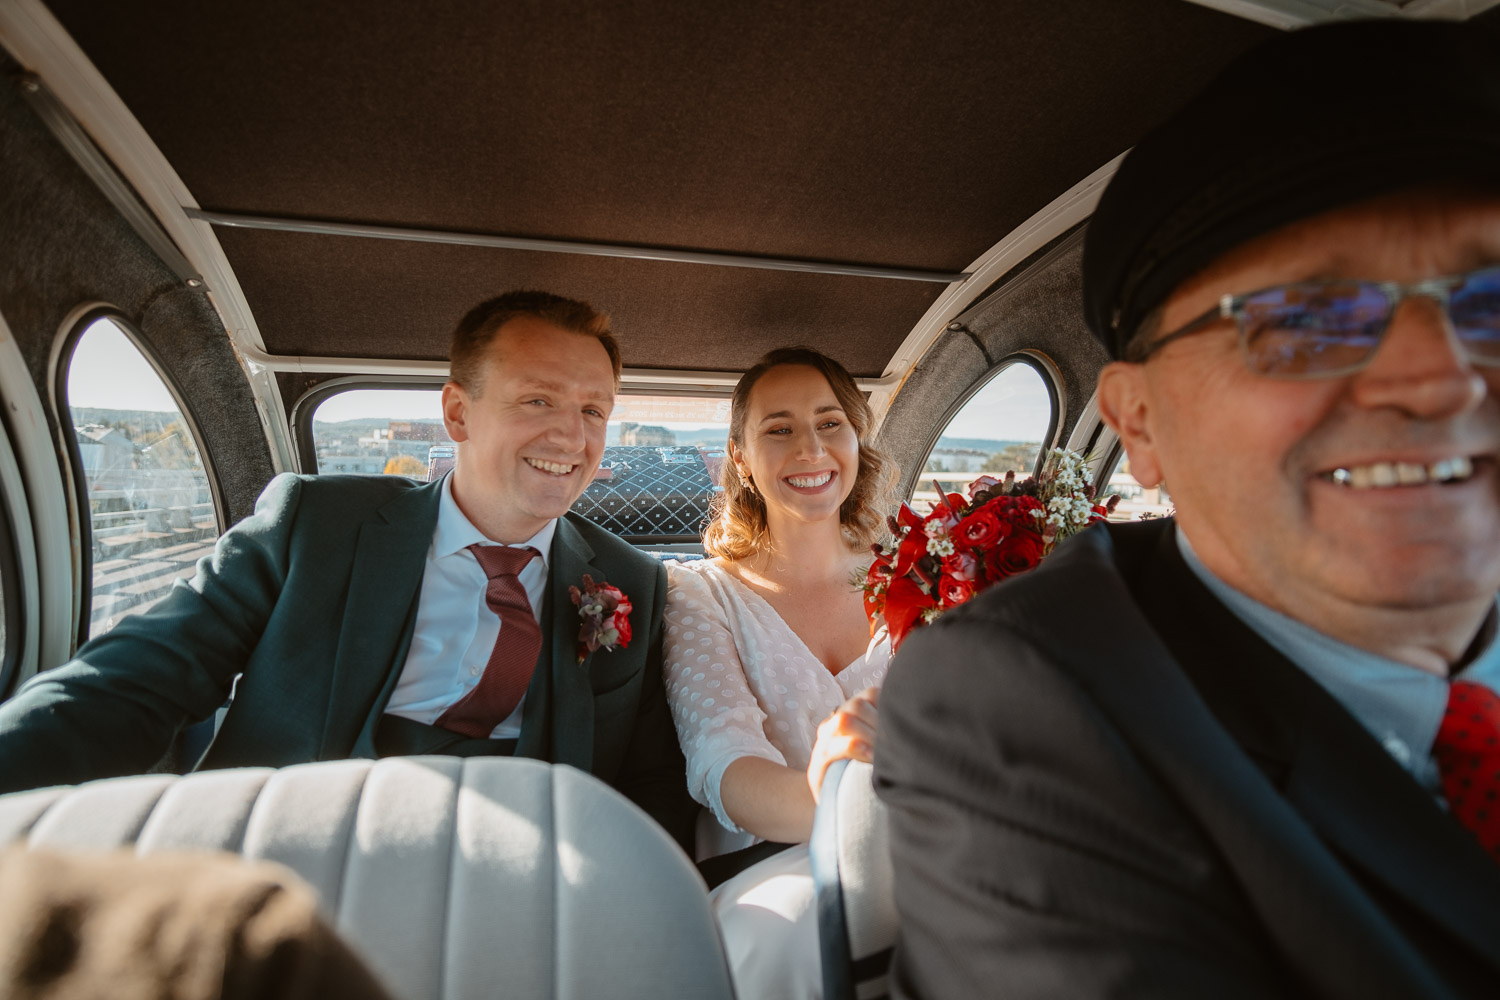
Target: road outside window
point(151, 515)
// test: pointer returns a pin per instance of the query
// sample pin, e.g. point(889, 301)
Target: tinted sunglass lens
point(1313, 329)
point(1474, 310)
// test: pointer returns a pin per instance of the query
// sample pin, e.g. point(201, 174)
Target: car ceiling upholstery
point(884, 133)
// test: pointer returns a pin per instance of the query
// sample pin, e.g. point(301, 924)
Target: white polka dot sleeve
point(718, 719)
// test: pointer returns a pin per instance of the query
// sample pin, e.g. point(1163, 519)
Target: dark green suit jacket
point(306, 610)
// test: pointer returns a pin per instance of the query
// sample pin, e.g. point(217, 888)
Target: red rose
point(981, 528)
point(1030, 504)
point(1020, 552)
point(961, 566)
point(1017, 554)
point(954, 592)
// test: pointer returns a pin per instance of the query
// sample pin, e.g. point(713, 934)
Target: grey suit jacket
point(1103, 784)
point(306, 610)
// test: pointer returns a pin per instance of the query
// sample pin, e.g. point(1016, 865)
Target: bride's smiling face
point(800, 450)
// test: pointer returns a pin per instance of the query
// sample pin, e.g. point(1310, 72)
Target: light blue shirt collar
point(1399, 705)
point(455, 532)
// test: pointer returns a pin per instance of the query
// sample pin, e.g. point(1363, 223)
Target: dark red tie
point(1467, 750)
point(513, 659)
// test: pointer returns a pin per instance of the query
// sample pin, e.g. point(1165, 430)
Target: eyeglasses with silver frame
point(1325, 329)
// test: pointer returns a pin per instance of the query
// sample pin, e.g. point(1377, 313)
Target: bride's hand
point(849, 733)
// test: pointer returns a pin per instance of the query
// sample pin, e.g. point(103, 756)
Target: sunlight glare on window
point(151, 513)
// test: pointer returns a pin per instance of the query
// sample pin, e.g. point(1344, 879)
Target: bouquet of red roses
point(1004, 527)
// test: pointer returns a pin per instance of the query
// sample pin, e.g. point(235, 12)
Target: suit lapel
point(1359, 800)
point(1355, 796)
point(558, 720)
point(379, 614)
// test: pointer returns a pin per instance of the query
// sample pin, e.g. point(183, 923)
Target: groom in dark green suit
point(355, 616)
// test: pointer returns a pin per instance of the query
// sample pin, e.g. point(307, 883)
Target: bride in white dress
point(771, 671)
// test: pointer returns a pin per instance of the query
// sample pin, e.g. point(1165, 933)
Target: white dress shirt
point(456, 630)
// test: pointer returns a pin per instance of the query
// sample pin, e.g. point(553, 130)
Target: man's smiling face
point(530, 435)
point(1302, 494)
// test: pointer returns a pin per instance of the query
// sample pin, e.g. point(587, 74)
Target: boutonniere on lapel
point(604, 613)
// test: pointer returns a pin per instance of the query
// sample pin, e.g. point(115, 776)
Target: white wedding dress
point(741, 683)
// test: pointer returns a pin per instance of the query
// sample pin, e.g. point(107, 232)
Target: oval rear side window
point(150, 510)
point(998, 429)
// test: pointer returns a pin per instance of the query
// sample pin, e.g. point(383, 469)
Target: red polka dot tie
point(513, 659)
point(1467, 750)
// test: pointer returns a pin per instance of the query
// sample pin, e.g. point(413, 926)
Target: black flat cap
point(1305, 122)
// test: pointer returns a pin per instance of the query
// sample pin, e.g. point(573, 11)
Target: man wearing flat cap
point(1252, 750)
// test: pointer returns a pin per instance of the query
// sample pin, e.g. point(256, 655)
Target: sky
point(398, 404)
point(1013, 407)
point(107, 371)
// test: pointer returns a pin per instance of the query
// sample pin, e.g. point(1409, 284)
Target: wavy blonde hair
point(737, 527)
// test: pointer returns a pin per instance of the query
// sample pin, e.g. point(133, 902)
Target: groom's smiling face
point(531, 433)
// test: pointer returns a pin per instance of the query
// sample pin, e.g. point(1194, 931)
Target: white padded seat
point(852, 875)
point(453, 878)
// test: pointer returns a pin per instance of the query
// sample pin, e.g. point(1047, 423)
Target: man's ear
point(1125, 405)
point(455, 411)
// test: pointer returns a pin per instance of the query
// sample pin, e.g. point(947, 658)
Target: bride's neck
point(809, 552)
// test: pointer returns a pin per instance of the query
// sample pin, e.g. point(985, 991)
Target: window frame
point(64, 352)
point(306, 406)
point(1036, 363)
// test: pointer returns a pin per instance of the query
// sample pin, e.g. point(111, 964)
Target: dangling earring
point(746, 483)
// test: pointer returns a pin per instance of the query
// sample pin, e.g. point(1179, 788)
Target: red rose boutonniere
point(604, 612)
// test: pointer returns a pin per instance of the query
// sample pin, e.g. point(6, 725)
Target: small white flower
point(940, 546)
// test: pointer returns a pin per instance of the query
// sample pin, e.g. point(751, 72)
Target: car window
point(659, 471)
point(150, 511)
point(999, 428)
point(1136, 501)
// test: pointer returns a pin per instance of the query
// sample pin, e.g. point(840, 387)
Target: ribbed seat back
point(454, 878)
